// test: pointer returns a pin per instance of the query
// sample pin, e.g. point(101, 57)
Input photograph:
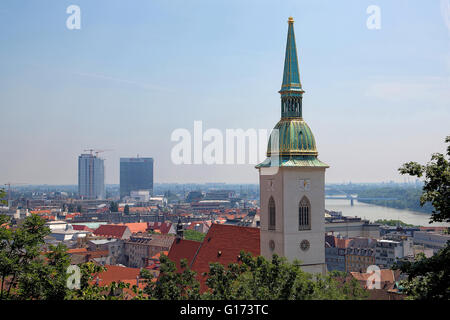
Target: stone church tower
point(292, 179)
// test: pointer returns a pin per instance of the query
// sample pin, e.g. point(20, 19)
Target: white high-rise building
point(292, 179)
point(91, 177)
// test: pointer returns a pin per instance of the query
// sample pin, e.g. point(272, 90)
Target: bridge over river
point(352, 198)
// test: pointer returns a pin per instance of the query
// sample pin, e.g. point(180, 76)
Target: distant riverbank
point(397, 196)
point(407, 198)
point(374, 212)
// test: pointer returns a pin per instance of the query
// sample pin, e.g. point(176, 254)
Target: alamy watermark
point(374, 19)
point(74, 20)
point(374, 280)
point(73, 281)
point(233, 146)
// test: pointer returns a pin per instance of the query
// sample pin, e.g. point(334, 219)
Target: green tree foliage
point(113, 207)
point(91, 290)
point(2, 197)
point(45, 278)
point(393, 223)
point(257, 278)
point(173, 285)
point(25, 272)
point(193, 235)
point(436, 189)
point(429, 278)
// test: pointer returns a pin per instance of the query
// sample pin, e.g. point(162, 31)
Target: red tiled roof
point(103, 209)
point(336, 242)
point(158, 255)
point(386, 275)
point(136, 227)
point(81, 228)
point(136, 209)
point(229, 240)
point(47, 212)
point(111, 231)
point(116, 274)
point(97, 254)
point(153, 262)
point(48, 217)
point(341, 243)
point(153, 266)
point(121, 274)
point(164, 227)
point(435, 229)
point(71, 215)
point(201, 226)
point(232, 216)
point(76, 250)
point(183, 249)
point(92, 254)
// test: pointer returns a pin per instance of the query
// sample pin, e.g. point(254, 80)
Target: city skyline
point(369, 93)
point(136, 135)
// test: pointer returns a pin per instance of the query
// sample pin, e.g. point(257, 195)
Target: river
point(372, 212)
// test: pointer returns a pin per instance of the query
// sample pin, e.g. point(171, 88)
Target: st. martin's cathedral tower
point(292, 179)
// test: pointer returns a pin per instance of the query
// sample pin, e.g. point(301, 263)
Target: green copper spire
point(291, 75)
point(291, 88)
point(296, 146)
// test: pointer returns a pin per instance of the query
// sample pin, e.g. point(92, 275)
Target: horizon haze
point(135, 72)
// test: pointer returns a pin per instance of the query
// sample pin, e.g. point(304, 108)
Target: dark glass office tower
point(135, 174)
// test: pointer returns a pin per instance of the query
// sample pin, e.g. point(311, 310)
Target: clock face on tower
point(305, 184)
point(304, 245)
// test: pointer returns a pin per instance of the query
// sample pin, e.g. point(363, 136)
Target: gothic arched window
point(272, 213)
point(304, 214)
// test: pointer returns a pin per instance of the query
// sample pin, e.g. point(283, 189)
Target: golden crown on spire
point(291, 20)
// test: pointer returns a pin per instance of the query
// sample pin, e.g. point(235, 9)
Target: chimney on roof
point(137, 281)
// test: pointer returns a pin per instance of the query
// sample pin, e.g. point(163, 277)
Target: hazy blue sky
point(137, 70)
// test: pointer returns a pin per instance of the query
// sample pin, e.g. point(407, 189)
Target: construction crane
point(9, 188)
point(97, 151)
